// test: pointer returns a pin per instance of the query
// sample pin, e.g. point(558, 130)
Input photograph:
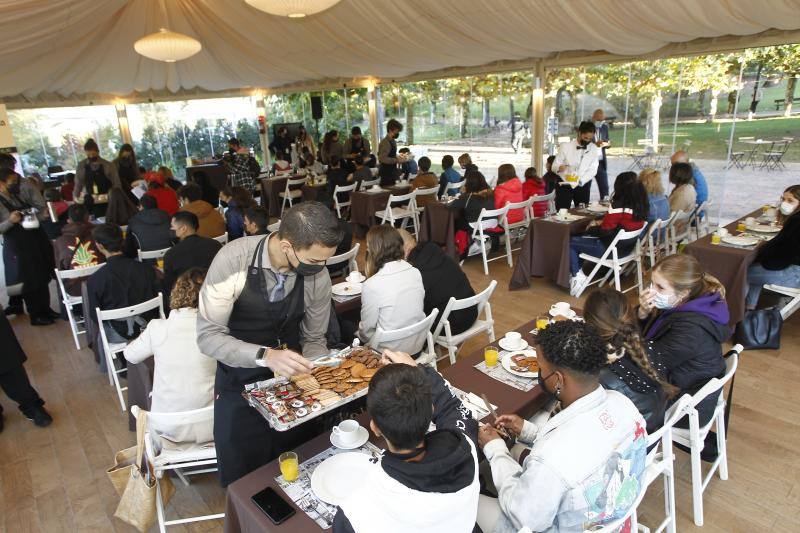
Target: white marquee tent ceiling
point(68, 48)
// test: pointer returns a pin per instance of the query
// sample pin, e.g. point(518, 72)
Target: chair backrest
point(222, 239)
point(52, 212)
point(133, 310)
point(499, 214)
point(152, 254)
point(397, 198)
point(715, 384)
point(481, 300)
point(177, 418)
point(349, 256)
point(295, 182)
point(525, 205)
point(368, 183)
point(457, 185)
point(549, 198)
point(344, 188)
point(74, 273)
point(382, 336)
point(624, 235)
point(426, 191)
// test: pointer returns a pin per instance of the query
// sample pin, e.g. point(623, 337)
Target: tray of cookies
point(288, 402)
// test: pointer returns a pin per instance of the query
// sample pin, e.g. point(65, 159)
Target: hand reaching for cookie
point(397, 357)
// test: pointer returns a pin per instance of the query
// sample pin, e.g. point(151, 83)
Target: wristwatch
point(260, 354)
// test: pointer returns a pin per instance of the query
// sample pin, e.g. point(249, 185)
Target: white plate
point(597, 208)
point(508, 347)
point(363, 435)
point(764, 228)
point(337, 477)
point(740, 241)
point(508, 363)
point(569, 218)
point(346, 288)
point(570, 314)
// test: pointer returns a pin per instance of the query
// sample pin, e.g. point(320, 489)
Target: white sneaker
point(576, 282)
point(474, 249)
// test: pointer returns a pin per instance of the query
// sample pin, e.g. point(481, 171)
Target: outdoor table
point(242, 515)
point(311, 192)
point(364, 205)
point(437, 225)
point(728, 265)
point(545, 251)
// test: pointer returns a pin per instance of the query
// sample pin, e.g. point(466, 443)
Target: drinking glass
point(741, 227)
point(490, 355)
point(160, 263)
point(715, 238)
point(289, 466)
point(542, 322)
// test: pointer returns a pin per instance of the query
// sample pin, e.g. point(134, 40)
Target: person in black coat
point(14, 380)
point(344, 246)
point(778, 260)
point(629, 370)
point(442, 279)
point(148, 229)
point(191, 251)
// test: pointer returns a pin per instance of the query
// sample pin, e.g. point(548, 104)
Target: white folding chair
point(222, 239)
point(551, 202)
point(342, 189)
point(488, 219)
point(611, 260)
point(161, 454)
point(350, 256)
point(694, 437)
point(390, 215)
point(71, 301)
point(366, 184)
point(383, 336)
point(52, 212)
point(679, 229)
point(657, 241)
point(112, 351)
point(793, 304)
point(430, 191)
point(519, 228)
point(152, 254)
point(454, 186)
point(452, 342)
point(700, 221)
point(293, 191)
point(275, 226)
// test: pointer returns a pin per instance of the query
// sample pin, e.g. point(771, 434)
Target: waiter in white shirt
point(576, 163)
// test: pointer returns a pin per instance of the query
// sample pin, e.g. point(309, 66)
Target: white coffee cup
point(347, 432)
point(560, 308)
point(562, 213)
point(749, 221)
point(513, 338)
point(375, 187)
point(722, 232)
point(355, 277)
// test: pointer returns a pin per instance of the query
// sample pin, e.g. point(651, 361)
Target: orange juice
point(289, 466)
point(490, 356)
point(160, 263)
point(715, 238)
point(740, 227)
point(542, 322)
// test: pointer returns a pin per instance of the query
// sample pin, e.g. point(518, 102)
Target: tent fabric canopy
point(74, 47)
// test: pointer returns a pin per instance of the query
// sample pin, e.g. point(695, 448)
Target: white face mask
point(787, 208)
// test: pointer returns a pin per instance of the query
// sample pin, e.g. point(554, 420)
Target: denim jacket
point(584, 469)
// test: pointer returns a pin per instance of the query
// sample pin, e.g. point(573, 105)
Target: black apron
point(28, 255)
point(388, 172)
point(96, 183)
point(243, 438)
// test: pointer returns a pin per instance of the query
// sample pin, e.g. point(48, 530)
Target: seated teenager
point(534, 186)
point(238, 199)
point(476, 197)
point(336, 175)
point(449, 176)
point(586, 462)
point(191, 250)
point(683, 196)
point(685, 321)
point(184, 378)
point(120, 209)
point(256, 220)
point(442, 278)
point(148, 229)
point(409, 167)
point(629, 370)
point(507, 191)
point(659, 204)
point(778, 260)
point(393, 295)
point(628, 212)
point(166, 197)
point(76, 248)
point(425, 482)
point(551, 179)
point(362, 172)
point(212, 223)
point(344, 246)
point(425, 180)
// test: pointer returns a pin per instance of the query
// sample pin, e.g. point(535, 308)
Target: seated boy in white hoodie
point(425, 482)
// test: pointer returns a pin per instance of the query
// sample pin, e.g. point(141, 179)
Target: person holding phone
point(263, 310)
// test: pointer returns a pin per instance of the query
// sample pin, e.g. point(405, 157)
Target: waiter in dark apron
point(265, 301)
point(28, 255)
point(94, 176)
point(387, 153)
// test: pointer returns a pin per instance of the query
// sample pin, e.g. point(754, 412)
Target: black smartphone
point(276, 508)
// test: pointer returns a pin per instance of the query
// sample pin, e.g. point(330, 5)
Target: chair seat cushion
point(173, 453)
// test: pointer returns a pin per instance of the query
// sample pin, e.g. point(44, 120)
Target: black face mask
point(13, 188)
point(94, 158)
point(583, 143)
point(223, 203)
point(172, 235)
point(305, 269)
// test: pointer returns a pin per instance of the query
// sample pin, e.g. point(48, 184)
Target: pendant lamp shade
point(292, 8)
point(168, 46)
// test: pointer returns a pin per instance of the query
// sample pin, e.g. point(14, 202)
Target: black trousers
point(602, 179)
point(566, 195)
point(16, 385)
point(36, 301)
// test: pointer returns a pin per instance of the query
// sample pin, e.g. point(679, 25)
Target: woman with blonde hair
point(685, 319)
point(393, 296)
point(184, 377)
point(659, 204)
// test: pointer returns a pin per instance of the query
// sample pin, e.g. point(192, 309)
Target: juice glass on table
point(716, 238)
point(741, 227)
point(542, 322)
point(290, 467)
point(490, 355)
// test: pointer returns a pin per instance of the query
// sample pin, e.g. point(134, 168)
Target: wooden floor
point(54, 479)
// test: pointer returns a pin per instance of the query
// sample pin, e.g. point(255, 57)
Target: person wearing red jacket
point(166, 199)
point(508, 190)
point(534, 186)
point(628, 212)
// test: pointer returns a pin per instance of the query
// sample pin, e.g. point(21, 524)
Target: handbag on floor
point(760, 329)
point(134, 474)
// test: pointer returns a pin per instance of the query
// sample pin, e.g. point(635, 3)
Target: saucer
point(512, 348)
point(568, 314)
point(361, 278)
point(363, 436)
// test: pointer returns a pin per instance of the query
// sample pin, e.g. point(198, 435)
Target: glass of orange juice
point(715, 238)
point(741, 226)
point(289, 466)
point(542, 322)
point(490, 355)
point(160, 263)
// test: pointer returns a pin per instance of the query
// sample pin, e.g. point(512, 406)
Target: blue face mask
point(662, 301)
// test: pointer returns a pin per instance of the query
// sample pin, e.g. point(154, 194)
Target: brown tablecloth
point(728, 265)
point(545, 252)
point(438, 225)
point(242, 515)
point(270, 187)
point(311, 192)
point(140, 385)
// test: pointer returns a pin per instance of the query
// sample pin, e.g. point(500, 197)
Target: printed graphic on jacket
point(83, 255)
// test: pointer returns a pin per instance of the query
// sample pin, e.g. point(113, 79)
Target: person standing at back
point(601, 140)
point(212, 223)
point(127, 170)
point(387, 153)
point(576, 164)
point(191, 250)
point(94, 176)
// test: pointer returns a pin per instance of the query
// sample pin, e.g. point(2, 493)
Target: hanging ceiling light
point(168, 46)
point(292, 8)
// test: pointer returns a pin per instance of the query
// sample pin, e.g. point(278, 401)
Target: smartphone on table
point(273, 505)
